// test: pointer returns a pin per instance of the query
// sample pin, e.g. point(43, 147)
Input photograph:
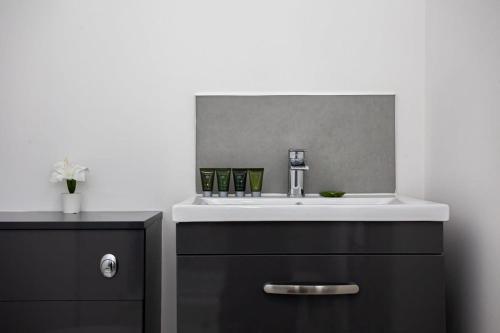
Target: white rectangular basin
point(351, 207)
point(285, 201)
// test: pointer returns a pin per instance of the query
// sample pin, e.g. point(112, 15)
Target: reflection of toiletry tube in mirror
point(240, 181)
point(256, 177)
point(207, 181)
point(223, 179)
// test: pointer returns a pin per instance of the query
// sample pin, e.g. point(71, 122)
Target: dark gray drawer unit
point(223, 268)
point(51, 279)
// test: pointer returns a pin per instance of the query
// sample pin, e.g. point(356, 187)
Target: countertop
point(83, 220)
point(374, 207)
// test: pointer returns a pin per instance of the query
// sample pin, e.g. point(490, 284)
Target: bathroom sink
point(285, 201)
point(351, 207)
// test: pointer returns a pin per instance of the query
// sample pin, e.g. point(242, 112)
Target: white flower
point(66, 171)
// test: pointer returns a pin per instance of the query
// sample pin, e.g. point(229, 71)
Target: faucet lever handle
point(296, 157)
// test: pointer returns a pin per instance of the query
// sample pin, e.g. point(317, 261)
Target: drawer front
point(397, 294)
point(71, 317)
point(65, 265)
point(299, 237)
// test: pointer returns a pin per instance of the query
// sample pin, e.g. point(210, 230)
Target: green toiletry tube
point(256, 177)
point(240, 181)
point(223, 179)
point(207, 181)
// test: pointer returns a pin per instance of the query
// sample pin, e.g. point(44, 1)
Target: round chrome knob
point(109, 265)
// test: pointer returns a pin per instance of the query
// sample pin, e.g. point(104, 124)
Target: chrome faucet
point(296, 168)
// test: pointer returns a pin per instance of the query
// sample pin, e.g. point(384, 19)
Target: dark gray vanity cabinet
point(51, 279)
point(397, 267)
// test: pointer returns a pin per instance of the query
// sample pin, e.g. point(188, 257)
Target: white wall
point(463, 153)
point(110, 84)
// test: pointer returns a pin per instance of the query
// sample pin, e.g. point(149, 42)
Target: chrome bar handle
point(311, 290)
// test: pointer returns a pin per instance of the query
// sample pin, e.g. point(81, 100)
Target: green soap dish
point(331, 194)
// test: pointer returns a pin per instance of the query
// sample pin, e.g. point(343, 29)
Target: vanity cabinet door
point(397, 294)
point(311, 237)
point(71, 317)
point(59, 265)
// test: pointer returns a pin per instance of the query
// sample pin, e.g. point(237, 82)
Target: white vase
point(71, 203)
